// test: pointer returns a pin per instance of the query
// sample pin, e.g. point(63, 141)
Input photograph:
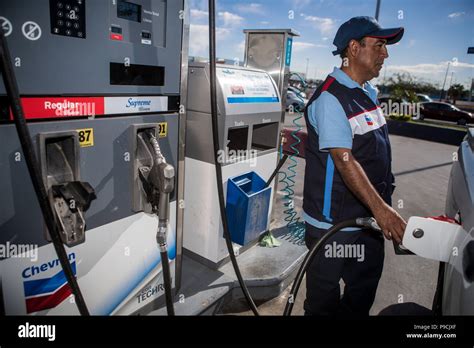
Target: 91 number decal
point(163, 129)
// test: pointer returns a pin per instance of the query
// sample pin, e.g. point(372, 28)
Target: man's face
point(371, 56)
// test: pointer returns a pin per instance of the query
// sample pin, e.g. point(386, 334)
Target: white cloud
point(430, 69)
point(461, 65)
point(456, 14)
point(199, 39)
point(240, 50)
point(264, 23)
point(230, 19)
point(434, 73)
point(250, 8)
point(301, 46)
point(198, 15)
point(198, 4)
point(297, 4)
point(324, 25)
point(325, 38)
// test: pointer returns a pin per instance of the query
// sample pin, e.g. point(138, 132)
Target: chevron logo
point(46, 293)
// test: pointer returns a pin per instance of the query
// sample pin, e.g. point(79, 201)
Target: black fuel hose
point(11, 87)
point(277, 169)
point(167, 283)
point(161, 238)
point(218, 168)
point(359, 222)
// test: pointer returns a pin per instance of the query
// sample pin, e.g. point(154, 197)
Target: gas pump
point(249, 125)
point(101, 84)
point(113, 118)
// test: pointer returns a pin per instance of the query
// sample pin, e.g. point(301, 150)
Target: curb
point(425, 132)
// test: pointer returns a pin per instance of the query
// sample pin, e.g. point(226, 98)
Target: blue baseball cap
point(358, 27)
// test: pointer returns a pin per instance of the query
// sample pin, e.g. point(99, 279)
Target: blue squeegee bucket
point(248, 203)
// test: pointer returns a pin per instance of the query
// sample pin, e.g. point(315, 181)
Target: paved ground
point(422, 172)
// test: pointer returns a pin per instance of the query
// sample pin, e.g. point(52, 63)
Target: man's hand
point(391, 223)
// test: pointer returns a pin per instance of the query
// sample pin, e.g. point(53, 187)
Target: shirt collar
point(345, 80)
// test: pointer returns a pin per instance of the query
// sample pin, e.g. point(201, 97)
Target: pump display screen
point(129, 11)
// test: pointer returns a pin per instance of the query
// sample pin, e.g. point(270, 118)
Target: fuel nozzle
point(70, 201)
point(369, 223)
point(157, 179)
point(165, 173)
point(158, 183)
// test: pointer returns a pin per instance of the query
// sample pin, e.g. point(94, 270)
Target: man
point(348, 173)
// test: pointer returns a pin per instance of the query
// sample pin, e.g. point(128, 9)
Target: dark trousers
point(360, 272)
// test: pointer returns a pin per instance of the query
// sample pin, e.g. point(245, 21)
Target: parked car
point(296, 99)
point(391, 105)
point(297, 91)
point(445, 111)
point(423, 98)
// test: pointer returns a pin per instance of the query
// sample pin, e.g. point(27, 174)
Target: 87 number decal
point(86, 137)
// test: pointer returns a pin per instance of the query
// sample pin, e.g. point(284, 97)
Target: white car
point(455, 291)
point(296, 99)
point(450, 240)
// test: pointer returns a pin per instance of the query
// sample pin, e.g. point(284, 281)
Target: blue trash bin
point(248, 202)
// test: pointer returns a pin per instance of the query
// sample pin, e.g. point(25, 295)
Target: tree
point(404, 86)
point(456, 91)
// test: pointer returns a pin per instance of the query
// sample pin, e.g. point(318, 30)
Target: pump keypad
point(68, 18)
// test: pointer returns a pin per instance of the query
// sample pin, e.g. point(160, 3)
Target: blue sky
point(436, 32)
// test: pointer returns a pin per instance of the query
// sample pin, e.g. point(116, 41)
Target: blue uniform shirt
point(330, 122)
point(328, 118)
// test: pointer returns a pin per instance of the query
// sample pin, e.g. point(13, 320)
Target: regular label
point(163, 128)
point(86, 137)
